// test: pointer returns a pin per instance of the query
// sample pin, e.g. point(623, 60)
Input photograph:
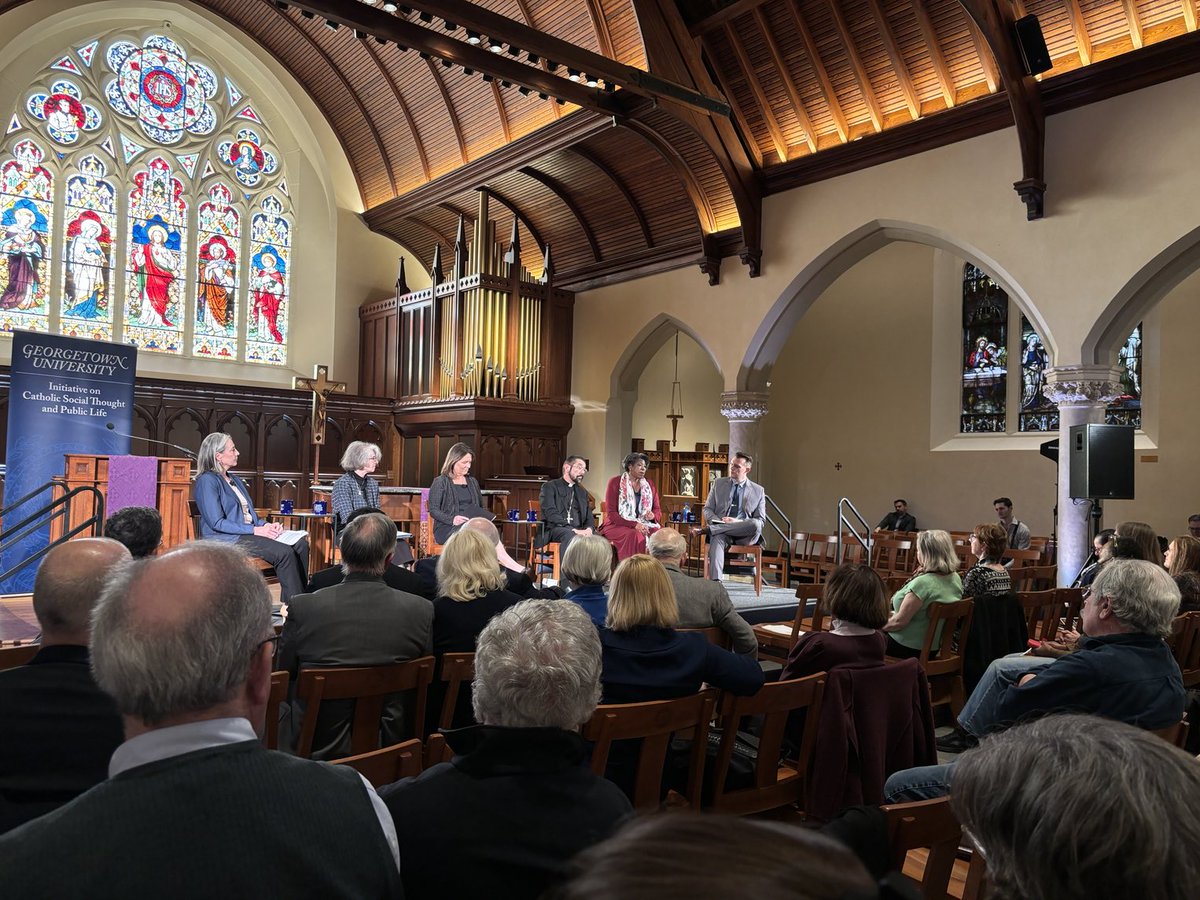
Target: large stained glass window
point(984, 353)
point(127, 178)
point(1127, 409)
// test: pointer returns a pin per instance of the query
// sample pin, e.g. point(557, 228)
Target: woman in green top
point(935, 581)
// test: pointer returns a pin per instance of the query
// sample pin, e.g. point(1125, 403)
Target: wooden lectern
point(174, 491)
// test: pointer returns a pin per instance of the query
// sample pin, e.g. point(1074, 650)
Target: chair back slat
point(456, 668)
point(20, 655)
point(279, 691)
point(1042, 612)
point(1033, 578)
point(938, 656)
point(931, 825)
point(388, 764)
point(1021, 558)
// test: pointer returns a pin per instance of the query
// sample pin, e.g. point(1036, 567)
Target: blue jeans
point(978, 716)
point(921, 783)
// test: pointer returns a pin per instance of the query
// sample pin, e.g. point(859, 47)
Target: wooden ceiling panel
point(837, 65)
point(886, 80)
point(952, 24)
point(770, 80)
point(624, 32)
point(803, 70)
point(734, 79)
point(614, 229)
point(549, 215)
point(915, 50)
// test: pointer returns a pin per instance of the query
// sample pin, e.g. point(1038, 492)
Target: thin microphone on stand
point(184, 450)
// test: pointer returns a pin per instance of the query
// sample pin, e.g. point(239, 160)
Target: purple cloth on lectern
point(132, 481)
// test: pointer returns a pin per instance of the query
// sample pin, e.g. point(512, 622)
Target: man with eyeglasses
point(566, 507)
point(194, 805)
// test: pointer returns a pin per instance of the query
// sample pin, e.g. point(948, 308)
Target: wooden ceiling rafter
point(987, 62)
point(634, 207)
point(501, 112)
point(936, 56)
point(789, 85)
point(751, 146)
point(440, 238)
point(704, 212)
point(600, 27)
point(504, 200)
point(1083, 41)
point(777, 138)
point(559, 190)
point(1135, 24)
point(856, 65)
point(422, 157)
point(814, 60)
point(899, 67)
point(449, 104)
point(1189, 14)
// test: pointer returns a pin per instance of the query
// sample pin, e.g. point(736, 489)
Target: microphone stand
point(184, 450)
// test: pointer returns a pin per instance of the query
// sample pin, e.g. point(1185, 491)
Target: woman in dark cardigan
point(453, 494)
point(857, 603)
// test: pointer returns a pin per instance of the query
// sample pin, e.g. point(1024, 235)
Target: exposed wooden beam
point(723, 15)
point(789, 85)
point(556, 187)
point(386, 71)
point(987, 62)
point(777, 138)
point(925, 24)
point(454, 123)
point(520, 217)
point(600, 27)
point(502, 112)
point(1189, 14)
point(860, 71)
point(814, 59)
point(501, 28)
point(1135, 23)
point(897, 59)
point(995, 20)
point(636, 208)
point(438, 236)
point(373, 21)
point(1083, 41)
point(704, 213)
point(739, 116)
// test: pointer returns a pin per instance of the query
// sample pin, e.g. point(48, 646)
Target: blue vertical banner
point(66, 395)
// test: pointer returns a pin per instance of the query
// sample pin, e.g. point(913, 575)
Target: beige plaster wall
point(339, 263)
point(701, 384)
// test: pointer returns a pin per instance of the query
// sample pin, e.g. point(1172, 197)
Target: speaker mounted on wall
point(1031, 44)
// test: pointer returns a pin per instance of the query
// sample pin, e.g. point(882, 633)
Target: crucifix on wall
point(321, 388)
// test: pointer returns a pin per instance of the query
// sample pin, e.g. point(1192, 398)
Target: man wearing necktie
point(734, 512)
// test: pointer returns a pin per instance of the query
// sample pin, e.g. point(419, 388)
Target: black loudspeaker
point(1032, 45)
point(1102, 462)
point(1049, 449)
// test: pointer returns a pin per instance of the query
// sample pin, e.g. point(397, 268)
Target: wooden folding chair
point(778, 783)
point(265, 568)
point(1042, 612)
point(1033, 578)
point(541, 558)
point(18, 655)
point(388, 764)
point(776, 639)
point(930, 825)
point(811, 550)
point(1070, 601)
point(718, 637)
point(275, 700)
point(369, 687)
point(428, 546)
point(743, 556)
point(942, 664)
point(1185, 644)
point(654, 723)
point(456, 668)
point(890, 556)
point(1021, 558)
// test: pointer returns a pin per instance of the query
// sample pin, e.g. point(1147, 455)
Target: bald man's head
point(68, 584)
point(484, 527)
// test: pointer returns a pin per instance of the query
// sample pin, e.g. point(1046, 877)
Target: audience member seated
point(1077, 808)
point(454, 496)
point(632, 507)
point(516, 575)
point(1088, 573)
point(516, 803)
point(586, 568)
point(1183, 564)
point(396, 577)
point(1122, 670)
point(360, 622)
point(1146, 539)
point(566, 507)
point(1194, 525)
point(57, 729)
point(935, 581)
point(195, 806)
point(899, 519)
point(645, 658)
point(857, 602)
point(702, 603)
point(988, 577)
point(689, 857)
point(470, 591)
point(355, 491)
point(227, 514)
point(139, 528)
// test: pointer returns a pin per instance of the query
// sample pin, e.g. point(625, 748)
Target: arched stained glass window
point(127, 180)
point(1038, 412)
point(984, 353)
point(1127, 409)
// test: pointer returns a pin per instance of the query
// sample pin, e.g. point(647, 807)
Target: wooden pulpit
point(174, 489)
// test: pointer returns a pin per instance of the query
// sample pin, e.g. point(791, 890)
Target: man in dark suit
point(899, 519)
point(566, 507)
point(734, 513)
point(183, 644)
point(702, 603)
point(57, 728)
point(396, 577)
point(360, 622)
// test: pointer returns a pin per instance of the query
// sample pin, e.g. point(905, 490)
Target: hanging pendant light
point(676, 412)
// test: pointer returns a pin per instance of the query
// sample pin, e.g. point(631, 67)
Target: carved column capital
point(743, 406)
point(1082, 385)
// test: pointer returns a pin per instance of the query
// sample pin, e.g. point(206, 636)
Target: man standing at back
point(194, 806)
point(360, 622)
point(57, 728)
point(734, 512)
point(566, 509)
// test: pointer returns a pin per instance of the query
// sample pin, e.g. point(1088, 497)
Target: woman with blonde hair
point(470, 587)
point(935, 581)
point(646, 658)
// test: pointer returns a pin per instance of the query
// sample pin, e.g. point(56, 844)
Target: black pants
point(290, 562)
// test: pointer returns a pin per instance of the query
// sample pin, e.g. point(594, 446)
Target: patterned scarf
point(625, 506)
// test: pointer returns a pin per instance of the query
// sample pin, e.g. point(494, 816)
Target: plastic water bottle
point(687, 512)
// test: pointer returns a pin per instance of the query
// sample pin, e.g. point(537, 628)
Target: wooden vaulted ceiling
point(710, 104)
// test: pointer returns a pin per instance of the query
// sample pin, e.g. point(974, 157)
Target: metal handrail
point(785, 535)
point(845, 523)
point(56, 509)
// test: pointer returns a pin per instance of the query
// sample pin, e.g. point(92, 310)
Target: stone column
point(1081, 393)
point(744, 410)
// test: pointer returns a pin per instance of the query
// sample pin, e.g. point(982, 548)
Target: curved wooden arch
point(441, 238)
point(458, 134)
point(620, 185)
point(600, 27)
point(556, 188)
point(499, 98)
point(404, 111)
point(521, 217)
point(704, 212)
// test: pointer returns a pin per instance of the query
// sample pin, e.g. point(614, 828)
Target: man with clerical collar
point(566, 507)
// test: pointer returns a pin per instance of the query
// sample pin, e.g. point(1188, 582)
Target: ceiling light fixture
point(573, 74)
point(533, 59)
point(473, 37)
point(332, 25)
point(425, 17)
point(497, 47)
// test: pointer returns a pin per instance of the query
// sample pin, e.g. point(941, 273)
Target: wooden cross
point(321, 388)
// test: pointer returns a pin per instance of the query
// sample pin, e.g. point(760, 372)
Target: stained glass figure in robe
point(154, 300)
point(270, 246)
point(215, 334)
point(1038, 412)
point(985, 353)
point(87, 265)
point(25, 210)
point(1127, 409)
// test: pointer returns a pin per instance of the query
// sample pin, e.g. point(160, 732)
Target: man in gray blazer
point(735, 512)
point(702, 603)
point(360, 622)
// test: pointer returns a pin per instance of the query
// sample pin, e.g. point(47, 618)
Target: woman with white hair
point(935, 581)
point(357, 490)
